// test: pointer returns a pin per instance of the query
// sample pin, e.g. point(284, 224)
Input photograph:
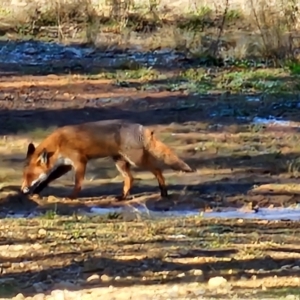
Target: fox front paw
point(121, 197)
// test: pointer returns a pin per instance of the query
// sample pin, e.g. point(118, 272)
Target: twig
point(216, 44)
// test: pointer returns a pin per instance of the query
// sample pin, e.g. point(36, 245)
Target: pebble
point(197, 272)
point(105, 278)
point(58, 295)
point(39, 296)
point(199, 277)
point(19, 297)
point(42, 232)
point(93, 278)
point(216, 282)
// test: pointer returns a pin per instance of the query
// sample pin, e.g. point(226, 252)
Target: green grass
point(8, 289)
point(276, 81)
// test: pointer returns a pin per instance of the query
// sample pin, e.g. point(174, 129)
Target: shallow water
point(274, 121)
point(39, 53)
point(292, 214)
point(263, 213)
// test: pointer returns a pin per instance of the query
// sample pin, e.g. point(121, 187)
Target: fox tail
point(162, 152)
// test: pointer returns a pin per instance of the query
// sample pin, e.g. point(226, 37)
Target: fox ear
point(43, 157)
point(30, 150)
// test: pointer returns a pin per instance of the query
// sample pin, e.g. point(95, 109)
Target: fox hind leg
point(124, 168)
point(149, 163)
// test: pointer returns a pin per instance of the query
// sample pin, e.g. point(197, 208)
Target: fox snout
point(29, 185)
point(25, 190)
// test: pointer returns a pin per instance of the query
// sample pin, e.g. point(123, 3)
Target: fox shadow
point(182, 196)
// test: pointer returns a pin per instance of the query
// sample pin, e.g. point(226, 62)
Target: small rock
point(19, 297)
point(105, 278)
point(181, 275)
point(42, 232)
point(39, 296)
point(216, 282)
point(93, 278)
point(197, 272)
point(37, 246)
point(58, 295)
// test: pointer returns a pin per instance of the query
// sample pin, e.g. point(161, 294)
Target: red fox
point(128, 144)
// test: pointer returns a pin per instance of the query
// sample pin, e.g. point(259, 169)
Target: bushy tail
point(162, 152)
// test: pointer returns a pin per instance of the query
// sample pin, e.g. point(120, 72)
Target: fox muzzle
point(25, 190)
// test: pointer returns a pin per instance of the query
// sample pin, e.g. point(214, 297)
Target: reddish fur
point(162, 152)
point(83, 142)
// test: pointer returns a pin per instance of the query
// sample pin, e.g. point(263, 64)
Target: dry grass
point(231, 30)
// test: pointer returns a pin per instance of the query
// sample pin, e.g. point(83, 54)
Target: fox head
point(36, 168)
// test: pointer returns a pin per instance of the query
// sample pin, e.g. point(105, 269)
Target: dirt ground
point(239, 164)
point(79, 257)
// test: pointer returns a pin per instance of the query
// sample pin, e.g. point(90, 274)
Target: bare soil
point(239, 164)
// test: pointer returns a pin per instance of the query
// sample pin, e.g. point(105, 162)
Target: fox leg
point(124, 168)
point(149, 164)
point(79, 169)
